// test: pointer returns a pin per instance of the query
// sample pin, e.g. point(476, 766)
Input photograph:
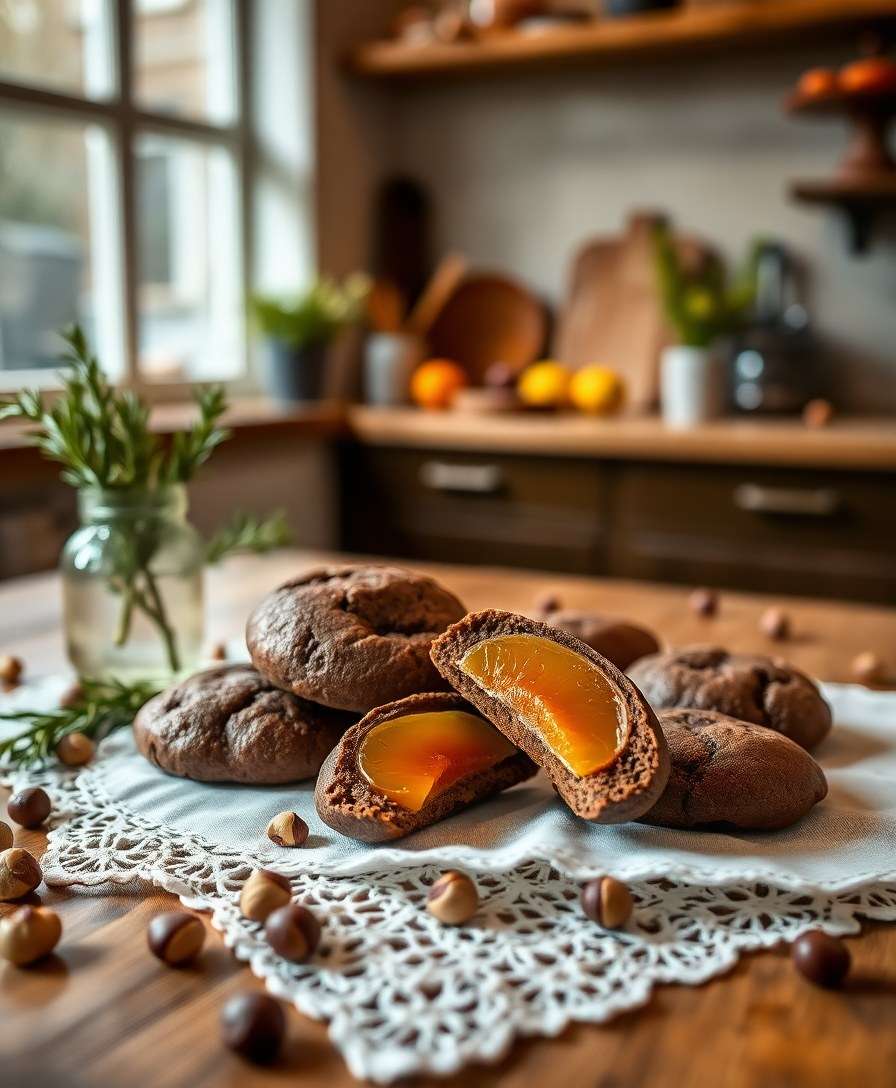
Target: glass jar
point(132, 586)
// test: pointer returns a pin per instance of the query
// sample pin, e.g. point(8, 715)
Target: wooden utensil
point(385, 307)
point(449, 272)
point(490, 319)
point(613, 312)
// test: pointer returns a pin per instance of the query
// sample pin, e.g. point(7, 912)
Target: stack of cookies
point(408, 709)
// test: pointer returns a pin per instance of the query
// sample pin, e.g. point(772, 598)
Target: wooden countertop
point(845, 444)
point(103, 1012)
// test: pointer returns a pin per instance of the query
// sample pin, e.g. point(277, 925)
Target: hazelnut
point(29, 807)
point(607, 901)
point(72, 695)
point(453, 898)
point(288, 829)
point(253, 1025)
point(218, 652)
point(868, 668)
point(293, 932)
point(704, 602)
point(263, 893)
point(75, 749)
point(175, 937)
point(775, 624)
point(821, 959)
point(28, 934)
point(818, 413)
point(548, 603)
point(11, 669)
point(6, 836)
point(19, 873)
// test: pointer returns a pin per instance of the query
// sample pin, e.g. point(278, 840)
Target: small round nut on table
point(75, 749)
point(775, 624)
point(263, 893)
point(823, 960)
point(288, 829)
point(29, 807)
point(11, 669)
point(607, 901)
point(29, 934)
point(175, 937)
point(453, 898)
point(19, 873)
point(293, 932)
point(6, 836)
point(253, 1025)
point(704, 602)
point(869, 669)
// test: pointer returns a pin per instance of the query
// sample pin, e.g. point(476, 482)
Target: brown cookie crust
point(352, 637)
point(228, 724)
point(752, 688)
point(624, 790)
point(735, 774)
point(617, 640)
point(347, 802)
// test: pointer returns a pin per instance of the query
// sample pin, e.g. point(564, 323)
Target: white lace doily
point(404, 994)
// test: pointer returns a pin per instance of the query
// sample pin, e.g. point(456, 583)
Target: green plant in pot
point(299, 330)
point(132, 573)
point(701, 305)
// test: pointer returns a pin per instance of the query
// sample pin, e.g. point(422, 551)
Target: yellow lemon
point(597, 389)
point(544, 385)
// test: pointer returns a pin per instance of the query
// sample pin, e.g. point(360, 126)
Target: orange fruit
point(817, 82)
point(435, 383)
point(873, 75)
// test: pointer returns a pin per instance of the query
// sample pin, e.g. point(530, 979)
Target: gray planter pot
point(291, 373)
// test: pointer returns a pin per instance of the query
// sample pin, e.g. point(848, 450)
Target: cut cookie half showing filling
point(571, 710)
point(414, 762)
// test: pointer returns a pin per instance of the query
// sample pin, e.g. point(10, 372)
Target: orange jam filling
point(558, 694)
point(418, 756)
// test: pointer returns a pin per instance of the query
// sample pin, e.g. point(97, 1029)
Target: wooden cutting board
point(613, 314)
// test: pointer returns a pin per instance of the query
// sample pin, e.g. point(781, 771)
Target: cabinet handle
point(472, 479)
point(813, 502)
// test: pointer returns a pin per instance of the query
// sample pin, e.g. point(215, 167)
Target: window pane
point(60, 44)
point(57, 251)
point(184, 57)
point(189, 261)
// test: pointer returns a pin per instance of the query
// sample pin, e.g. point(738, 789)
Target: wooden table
point(104, 1013)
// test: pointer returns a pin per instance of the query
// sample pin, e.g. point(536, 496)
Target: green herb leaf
point(248, 533)
point(102, 706)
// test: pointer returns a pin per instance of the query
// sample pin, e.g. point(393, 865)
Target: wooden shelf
point(711, 26)
point(860, 200)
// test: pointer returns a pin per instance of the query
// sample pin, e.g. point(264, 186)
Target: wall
point(525, 166)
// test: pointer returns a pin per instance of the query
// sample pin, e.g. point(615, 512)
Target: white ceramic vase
point(691, 386)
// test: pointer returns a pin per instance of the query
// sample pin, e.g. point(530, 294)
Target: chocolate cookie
point(350, 802)
point(617, 640)
point(353, 638)
point(569, 709)
point(229, 724)
point(734, 773)
point(751, 688)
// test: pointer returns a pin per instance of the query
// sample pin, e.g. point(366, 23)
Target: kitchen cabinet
point(809, 531)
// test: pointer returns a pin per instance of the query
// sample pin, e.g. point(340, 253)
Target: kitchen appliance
point(773, 362)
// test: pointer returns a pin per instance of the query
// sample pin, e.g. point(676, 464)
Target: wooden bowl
point(489, 319)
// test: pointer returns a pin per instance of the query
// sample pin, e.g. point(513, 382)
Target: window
point(125, 159)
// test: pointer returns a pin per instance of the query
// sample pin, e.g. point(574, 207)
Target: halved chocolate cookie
point(733, 773)
point(749, 687)
point(569, 709)
point(353, 638)
point(617, 640)
point(228, 724)
point(411, 763)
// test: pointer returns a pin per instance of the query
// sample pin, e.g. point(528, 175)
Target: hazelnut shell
point(607, 901)
point(288, 829)
point(29, 807)
point(293, 932)
point(75, 749)
point(19, 873)
point(453, 898)
point(253, 1025)
point(175, 937)
point(6, 836)
point(28, 934)
point(263, 893)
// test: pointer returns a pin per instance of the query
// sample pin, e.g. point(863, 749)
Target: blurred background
point(599, 287)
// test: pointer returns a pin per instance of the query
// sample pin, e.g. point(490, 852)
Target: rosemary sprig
point(248, 533)
point(101, 707)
